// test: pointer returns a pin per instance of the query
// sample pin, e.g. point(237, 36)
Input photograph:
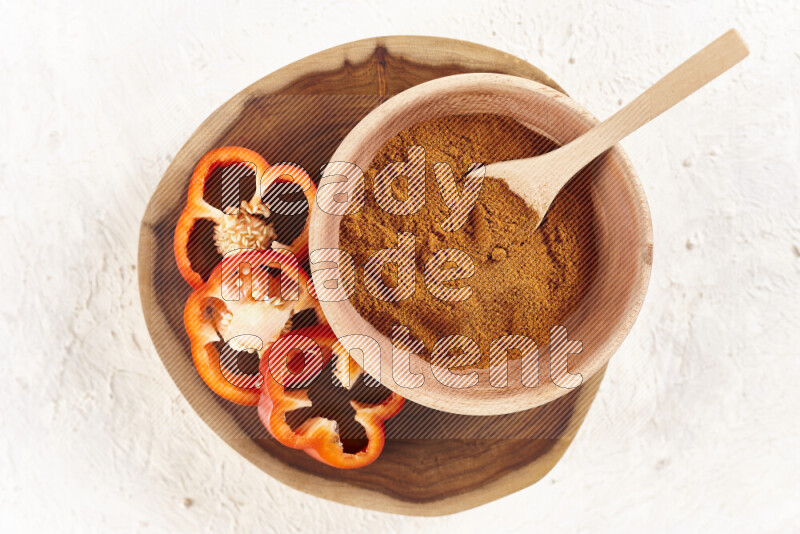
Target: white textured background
point(695, 428)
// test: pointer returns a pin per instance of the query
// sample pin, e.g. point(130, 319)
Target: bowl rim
point(345, 320)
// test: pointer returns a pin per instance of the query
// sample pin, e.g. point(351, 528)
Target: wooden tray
point(301, 113)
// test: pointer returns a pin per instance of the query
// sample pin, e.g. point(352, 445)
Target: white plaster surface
point(695, 428)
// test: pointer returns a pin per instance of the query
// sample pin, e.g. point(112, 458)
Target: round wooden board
point(434, 463)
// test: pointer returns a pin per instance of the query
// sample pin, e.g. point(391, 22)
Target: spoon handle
point(722, 54)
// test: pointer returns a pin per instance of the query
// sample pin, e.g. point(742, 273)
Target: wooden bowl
point(621, 225)
point(468, 461)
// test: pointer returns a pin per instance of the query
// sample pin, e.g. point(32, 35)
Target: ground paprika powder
point(526, 279)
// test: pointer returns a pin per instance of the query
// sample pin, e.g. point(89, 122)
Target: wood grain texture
point(300, 113)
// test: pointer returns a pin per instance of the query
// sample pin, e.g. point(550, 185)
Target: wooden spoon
point(538, 180)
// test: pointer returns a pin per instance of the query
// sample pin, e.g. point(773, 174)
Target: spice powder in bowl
point(526, 280)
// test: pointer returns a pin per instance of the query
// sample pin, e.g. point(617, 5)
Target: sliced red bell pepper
point(234, 306)
point(237, 227)
point(319, 436)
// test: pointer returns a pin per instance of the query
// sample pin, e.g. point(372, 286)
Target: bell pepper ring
point(318, 436)
point(240, 227)
point(240, 305)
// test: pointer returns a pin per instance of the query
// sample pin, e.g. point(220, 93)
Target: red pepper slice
point(241, 227)
point(318, 436)
point(234, 306)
